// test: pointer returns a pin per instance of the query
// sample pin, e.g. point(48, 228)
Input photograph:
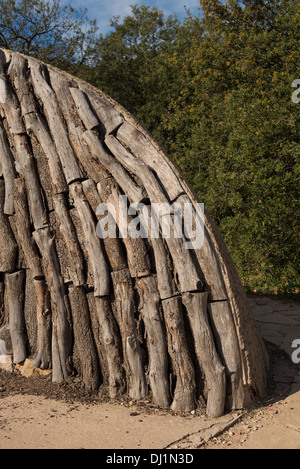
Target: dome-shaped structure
point(141, 315)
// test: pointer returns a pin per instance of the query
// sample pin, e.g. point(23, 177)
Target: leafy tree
point(234, 131)
point(133, 65)
point(47, 30)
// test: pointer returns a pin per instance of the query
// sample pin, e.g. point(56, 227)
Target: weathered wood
point(149, 306)
point(8, 102)
point(42, 358)
point(83, 339)
point(61, 85)
point(134, 193)
point(111, 346)
point(207, 259)
point(18, 73)
point(226, 340)
point(186, 270)
point(124, 294)
point(75, 262)
point(141, 147)
point(14, 284)
point(59, 134)
point(84, 109)
point(110, 117)
point(36, 125)
point(136, 249)
point(92, 242)
point(113, 248)
point(7, 170)
point(23, 228)
point(184, 399)
point(209, 361)
point(8, 245)
point(165, 281)
point(60, 324)
point(25, 165)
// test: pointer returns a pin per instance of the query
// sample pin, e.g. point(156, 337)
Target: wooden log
point(14, 284)
point(111, 346)
point(2, 303)
point(75, 261)
point(25, 165)
point(141, 147)
point(115, 251)
point(137, 253)
point(61, 85)
point(209, 361)
point(110, 117)
point(83, 339)
point(8, 245)
point(186, 270)
point(226, 340)
point(113, 247)
point(7, 170)
point(165, 282)
point(184, 399)
point(92, 242)
point(208, 260)
point(84, 109)
point(124, 295)
point(134, 193)
point(9, 104)
point(42, 358)
point(138, 168)
point(58, 131)
point(18, 74)
point(59, 305)
point(157, 348)
point(23, 229)
point(37, 126)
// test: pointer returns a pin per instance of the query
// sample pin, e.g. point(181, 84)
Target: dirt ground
point(36, 413)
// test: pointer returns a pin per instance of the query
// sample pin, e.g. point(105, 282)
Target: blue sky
point(104, 10)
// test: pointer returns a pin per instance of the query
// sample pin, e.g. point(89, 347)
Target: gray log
point(26, 167)
point(60, 324)
point(108, 115)
point(134, 193)
point(224, 331)
point(141, 147)
point(70, 166)
point(111, 346)
point(157, 348)
point(75, 262)
point(14, 284)
point(209, 361)
point(8, 245)
point(132, 350)
point(184, 399)
point(92, 242)
point(84, 341)
point(7, 170)
point(42, 357)
point(23, 228)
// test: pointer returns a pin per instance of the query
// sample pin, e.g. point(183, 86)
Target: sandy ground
point(35, 414)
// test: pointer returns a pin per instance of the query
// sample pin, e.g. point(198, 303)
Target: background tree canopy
point(215, 91)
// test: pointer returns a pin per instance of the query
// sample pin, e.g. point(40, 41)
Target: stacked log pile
point(144, 317)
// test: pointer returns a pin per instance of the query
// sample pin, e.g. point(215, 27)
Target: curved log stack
point(139, 316)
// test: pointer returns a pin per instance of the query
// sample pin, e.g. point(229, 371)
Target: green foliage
point(242, 150)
